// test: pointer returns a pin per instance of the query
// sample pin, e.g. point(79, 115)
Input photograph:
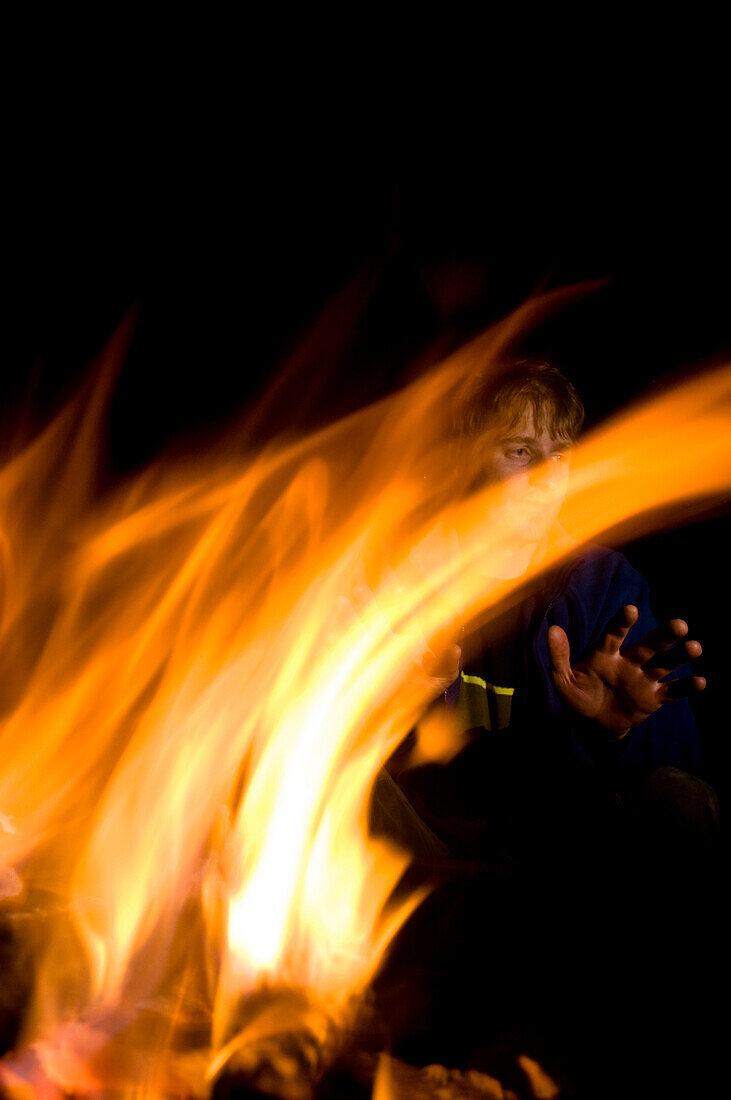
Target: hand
point(440, 666)
point(619, 690)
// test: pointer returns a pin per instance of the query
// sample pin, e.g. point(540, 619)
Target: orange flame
point(195, 708)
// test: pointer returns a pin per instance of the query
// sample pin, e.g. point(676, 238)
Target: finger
point(560, 652)
point(449, 634)
point(669, 659)
point(680, 689)
point(658, 639)
point(443, 664)
point(618, 628)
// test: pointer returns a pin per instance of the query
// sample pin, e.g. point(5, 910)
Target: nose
point(544, 476)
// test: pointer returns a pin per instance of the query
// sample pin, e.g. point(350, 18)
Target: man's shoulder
point(592, 586)
point(600, 567)
point(588, 569)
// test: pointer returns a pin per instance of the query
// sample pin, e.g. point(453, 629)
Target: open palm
point(616, 689)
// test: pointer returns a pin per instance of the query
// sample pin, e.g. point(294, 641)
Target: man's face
point(533, 468)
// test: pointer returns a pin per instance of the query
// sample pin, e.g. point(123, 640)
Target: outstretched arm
point(618, 690)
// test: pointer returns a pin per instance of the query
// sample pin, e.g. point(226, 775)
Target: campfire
point(202, 674)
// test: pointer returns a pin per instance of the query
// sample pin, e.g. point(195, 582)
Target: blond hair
point(504, 397)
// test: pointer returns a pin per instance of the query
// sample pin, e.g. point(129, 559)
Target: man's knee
point(680, 812)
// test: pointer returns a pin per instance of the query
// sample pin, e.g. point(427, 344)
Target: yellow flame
point(383, 1086)
point(195, 707)
point(543, 1086)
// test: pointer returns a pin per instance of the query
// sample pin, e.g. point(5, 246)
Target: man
point(586, 838)
point(564, 695)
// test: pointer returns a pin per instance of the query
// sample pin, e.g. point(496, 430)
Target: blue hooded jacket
point(511, 787)
point(582, 597)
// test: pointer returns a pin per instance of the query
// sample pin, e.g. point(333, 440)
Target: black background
point(229, 215)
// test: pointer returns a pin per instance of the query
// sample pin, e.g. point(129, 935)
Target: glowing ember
point(201, 679)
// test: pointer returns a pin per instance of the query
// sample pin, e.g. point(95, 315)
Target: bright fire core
point(201, 679)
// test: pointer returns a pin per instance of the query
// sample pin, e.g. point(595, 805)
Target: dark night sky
point(231, 230)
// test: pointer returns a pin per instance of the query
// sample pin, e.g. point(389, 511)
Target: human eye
point(518, 454)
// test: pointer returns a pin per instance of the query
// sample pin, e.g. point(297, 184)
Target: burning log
point(364, 1076)
point(386, 1078)
point(283, 1045)
point(289, 1048)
